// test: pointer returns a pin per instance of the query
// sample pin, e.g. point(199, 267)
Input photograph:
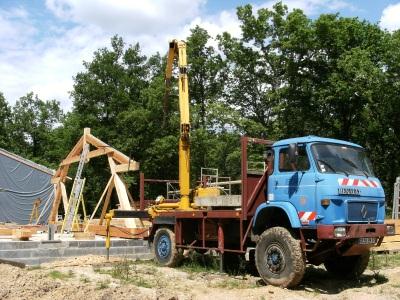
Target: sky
point(44, 42)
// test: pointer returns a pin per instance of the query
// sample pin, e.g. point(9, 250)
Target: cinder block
point(73, 243)
point(55, 252)
point(22, 253)
point(119, 243)
point(82, 244)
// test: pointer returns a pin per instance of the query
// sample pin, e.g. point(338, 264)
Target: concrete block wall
point(36, 252)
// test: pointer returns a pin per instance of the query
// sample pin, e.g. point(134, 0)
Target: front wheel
point(347, 266)
point(279, 258)
point(164, 249)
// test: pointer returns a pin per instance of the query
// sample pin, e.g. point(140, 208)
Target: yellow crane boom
point(177, 50)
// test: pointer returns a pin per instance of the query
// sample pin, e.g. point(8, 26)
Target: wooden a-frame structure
point(118, 162)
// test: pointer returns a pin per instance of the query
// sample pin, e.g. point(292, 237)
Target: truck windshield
point(334, 158)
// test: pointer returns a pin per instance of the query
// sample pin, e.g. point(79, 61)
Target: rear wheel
point(347, 266)
point(279, 258)
point(164, 249)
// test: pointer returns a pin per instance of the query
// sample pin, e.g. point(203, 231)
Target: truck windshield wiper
point(354, 166)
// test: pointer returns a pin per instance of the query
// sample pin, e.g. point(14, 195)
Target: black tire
point(164, 248)
point(347, 266)
point(279, 258)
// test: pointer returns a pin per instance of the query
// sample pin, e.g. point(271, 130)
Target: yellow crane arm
point(177, 50)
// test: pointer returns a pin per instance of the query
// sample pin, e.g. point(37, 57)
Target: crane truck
point(316, 201)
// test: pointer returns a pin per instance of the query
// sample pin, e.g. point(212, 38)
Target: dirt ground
point(91, 277)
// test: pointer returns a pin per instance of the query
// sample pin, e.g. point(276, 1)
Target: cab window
point(303, 164)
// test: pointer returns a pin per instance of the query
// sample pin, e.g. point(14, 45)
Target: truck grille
point(362, 211)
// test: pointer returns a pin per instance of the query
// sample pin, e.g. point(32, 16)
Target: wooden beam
point(91, 154)
point(77, 148)
point(64, 196)
point(55, 180)
point(56, 204)
point(95, 141)
point(61, 172)
point(112, 164)
point(117, 155)
point(133, 166)
point(121, 232)
point(133, 203)
point(106, 202)
point(123, 200)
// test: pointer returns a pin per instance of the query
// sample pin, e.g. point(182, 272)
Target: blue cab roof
point(313, 139)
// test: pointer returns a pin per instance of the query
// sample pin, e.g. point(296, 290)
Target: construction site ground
point(92, 277)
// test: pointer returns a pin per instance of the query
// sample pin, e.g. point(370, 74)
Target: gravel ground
point(91, 277)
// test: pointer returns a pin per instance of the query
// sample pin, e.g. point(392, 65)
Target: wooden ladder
point(77, 189)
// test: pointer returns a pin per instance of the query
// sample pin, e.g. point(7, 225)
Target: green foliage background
point(286, 76)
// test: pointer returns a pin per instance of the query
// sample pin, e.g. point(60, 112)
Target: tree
point(205, 66)
point(254, 67)
point(33, 120)
point(5, 115)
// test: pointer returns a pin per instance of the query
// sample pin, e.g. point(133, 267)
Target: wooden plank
point(121, 158)
point(95, 141)
point(61, 173)
point(123, 200)
point(77, 148)
point(112, 164)
point(64, 195)
point(121, 232)
point(390, 243)
point(84, 235)
point(117, 155)
point(91, 154)
point(133, 166)
point(6, 231)
point(22, 234)
point(139, 221)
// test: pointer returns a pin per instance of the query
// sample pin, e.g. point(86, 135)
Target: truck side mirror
point(293, 153)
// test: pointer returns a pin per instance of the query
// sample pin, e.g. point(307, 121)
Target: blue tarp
point(21, 183)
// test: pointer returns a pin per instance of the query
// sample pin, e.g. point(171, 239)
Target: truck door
point(295, 182)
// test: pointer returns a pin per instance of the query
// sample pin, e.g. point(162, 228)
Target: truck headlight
point(390, 229)
point(339, 232)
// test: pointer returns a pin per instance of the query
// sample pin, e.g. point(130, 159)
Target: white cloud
point(127, 16)
point(215, 24)
point(45, 62)
point(390, 18)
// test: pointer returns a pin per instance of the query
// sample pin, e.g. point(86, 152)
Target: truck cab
point(328, 181)
point(327, 206)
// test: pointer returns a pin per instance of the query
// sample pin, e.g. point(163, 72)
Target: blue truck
point(316, 201)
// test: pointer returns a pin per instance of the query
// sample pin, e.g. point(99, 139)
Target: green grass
point(60, 275)
point(126, 272)
point(197, 263)
point(381, 261)
point(233, 283)
point(84, 279)
point(103, 285)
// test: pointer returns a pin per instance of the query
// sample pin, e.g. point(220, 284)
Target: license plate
point(366, 240)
